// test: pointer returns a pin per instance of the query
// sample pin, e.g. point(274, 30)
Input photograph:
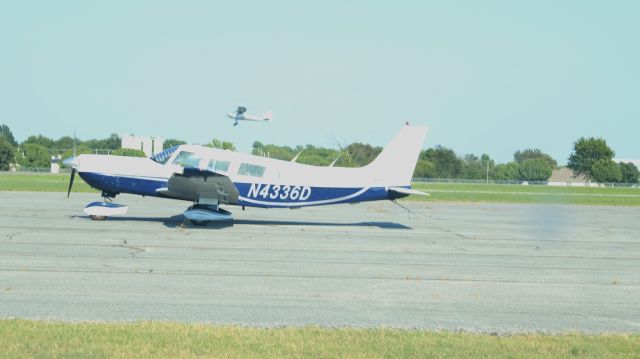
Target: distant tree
point(508, 172)
point(474, 167)
point(172, 142)
point(32, 155)
point(62, 145)
point(224, 145)
point(113, 142)
point(360, 154)
point(488, 164)
point(535, 169)
point(8, 135)
point(630, 173)
point(586, 152)
point(41, 140)
point(309, 154)
point(284, 153)
point(312, 159)
point(532, 153)
point(318, 156)
point(7, 153)
point(80, 150)
point(424, 169)
point(606, 171)
point(447, 164)
point(128, 152)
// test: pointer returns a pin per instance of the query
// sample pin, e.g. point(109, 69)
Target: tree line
point(591, 158)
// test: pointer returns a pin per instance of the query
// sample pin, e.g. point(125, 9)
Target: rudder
point(395, 165)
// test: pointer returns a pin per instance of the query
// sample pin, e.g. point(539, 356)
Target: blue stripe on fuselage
point(124, 184)
point(270, 198)
point(279, 196)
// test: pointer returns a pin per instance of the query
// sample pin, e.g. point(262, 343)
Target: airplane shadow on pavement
point(179, 220)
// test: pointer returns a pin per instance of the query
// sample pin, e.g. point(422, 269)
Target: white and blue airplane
point(241, 115)
point(211, 178)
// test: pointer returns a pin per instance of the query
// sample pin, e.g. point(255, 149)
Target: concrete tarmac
point(502, 268)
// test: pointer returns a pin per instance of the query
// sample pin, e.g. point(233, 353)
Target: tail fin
point(267, 116)
point(394, 166)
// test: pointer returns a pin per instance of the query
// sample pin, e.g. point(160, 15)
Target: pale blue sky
point(486, 76)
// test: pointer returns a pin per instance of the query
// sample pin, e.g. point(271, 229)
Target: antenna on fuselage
point(296, 157)
point(336, 160)
point(74, 143)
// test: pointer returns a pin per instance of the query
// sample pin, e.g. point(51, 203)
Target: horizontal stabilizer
point(407, 191)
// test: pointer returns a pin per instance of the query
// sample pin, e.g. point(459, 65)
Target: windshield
point(187, 159)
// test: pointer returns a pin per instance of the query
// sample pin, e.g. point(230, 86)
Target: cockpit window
point(187, 159)
point(247, 169)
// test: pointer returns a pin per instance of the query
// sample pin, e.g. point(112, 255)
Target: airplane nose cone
point(71, 162)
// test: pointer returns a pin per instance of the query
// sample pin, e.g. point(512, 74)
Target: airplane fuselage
point(213, 177)
point(260, 181)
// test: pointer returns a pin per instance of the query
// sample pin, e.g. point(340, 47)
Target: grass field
point(41, 182)
point(504, 193)
point(440, 192)
point(29, 339)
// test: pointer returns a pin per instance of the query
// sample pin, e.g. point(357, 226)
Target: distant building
point(565, 177)
point(55, 164)
point(149, 145)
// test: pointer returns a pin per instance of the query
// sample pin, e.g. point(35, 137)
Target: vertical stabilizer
point(394, 166)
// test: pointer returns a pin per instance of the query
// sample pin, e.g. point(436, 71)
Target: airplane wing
point(202, 186)
point(252, 118)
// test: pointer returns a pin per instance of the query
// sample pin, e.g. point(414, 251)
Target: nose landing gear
point(99, 211)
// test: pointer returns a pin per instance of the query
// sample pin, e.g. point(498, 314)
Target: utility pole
point(487, 172)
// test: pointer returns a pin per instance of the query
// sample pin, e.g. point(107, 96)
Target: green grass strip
point(440, 192)
point(38, 339)
point(41, 182)
point(498, 193)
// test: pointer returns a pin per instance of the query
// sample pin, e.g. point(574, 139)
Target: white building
point(55, 163)
point(149, 145)
point(565, 177)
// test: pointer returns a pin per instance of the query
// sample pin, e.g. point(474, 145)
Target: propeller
point(73, 174)
point(73, 163)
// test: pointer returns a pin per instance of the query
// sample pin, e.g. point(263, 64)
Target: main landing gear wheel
point(201, 214)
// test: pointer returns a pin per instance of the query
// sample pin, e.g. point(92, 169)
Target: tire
point(98, 218)
point(199, 223)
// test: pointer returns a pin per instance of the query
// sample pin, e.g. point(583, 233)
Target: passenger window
point(187, 159)
point(211, 166)
point(222, 166)
point(251, 170)
point(218, 166)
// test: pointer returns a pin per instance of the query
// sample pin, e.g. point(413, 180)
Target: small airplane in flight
point(240, 115)
point(210, 178)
